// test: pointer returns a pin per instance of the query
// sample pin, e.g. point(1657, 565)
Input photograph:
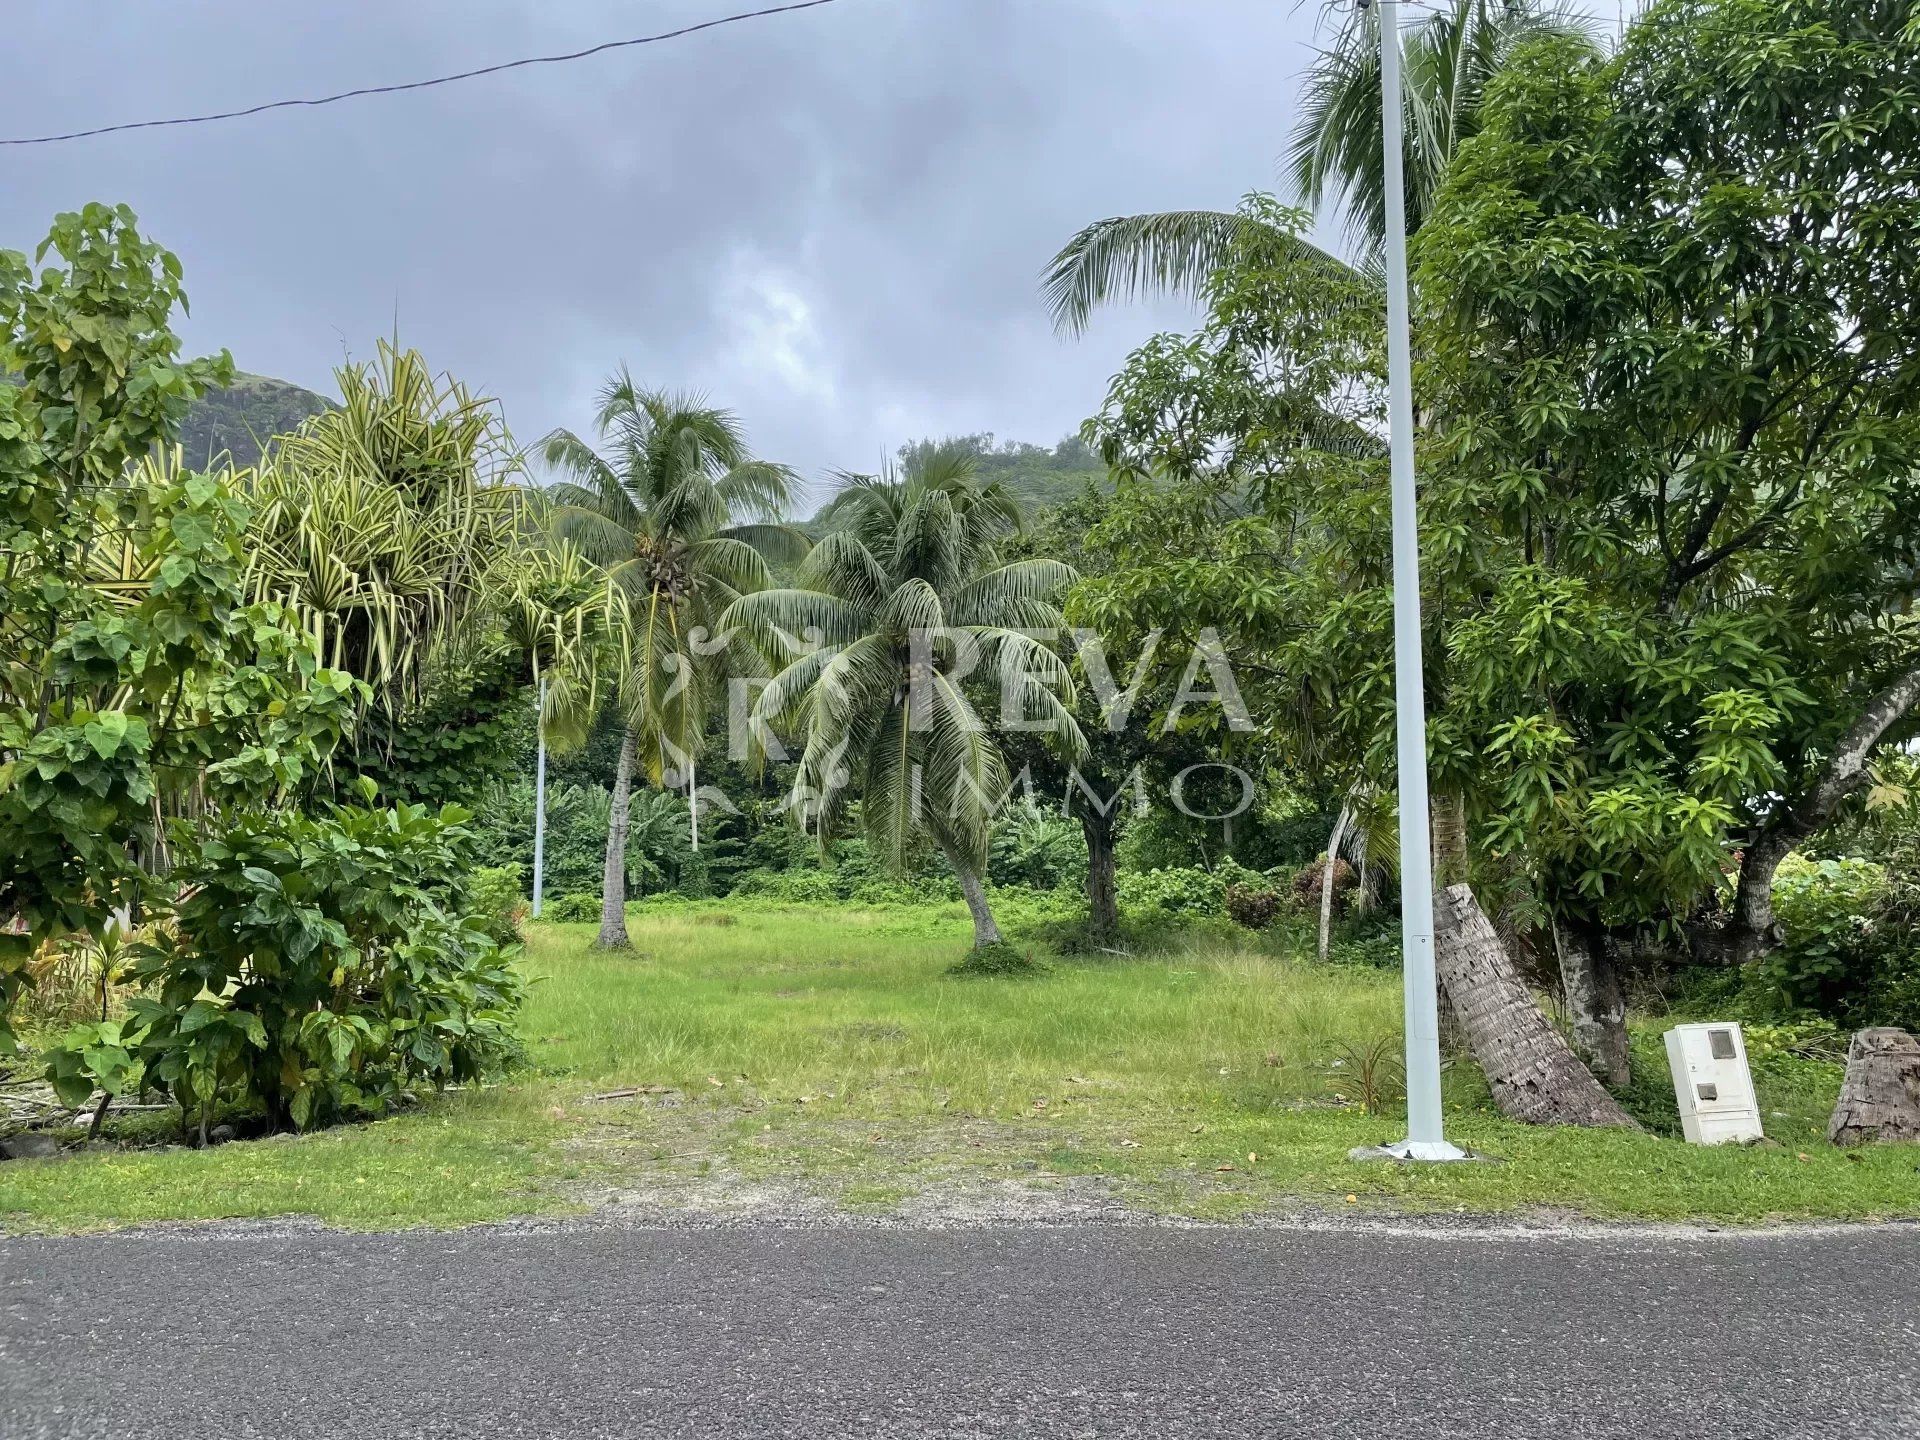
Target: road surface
point(1077, 1331)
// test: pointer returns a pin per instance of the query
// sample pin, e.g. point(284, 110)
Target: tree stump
point(1880, 1099)
point(1532, 1073)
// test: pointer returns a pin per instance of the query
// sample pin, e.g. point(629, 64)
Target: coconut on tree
point(683, 521)
point(906, 606)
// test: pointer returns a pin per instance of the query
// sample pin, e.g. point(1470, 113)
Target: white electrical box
point(1712, 1083)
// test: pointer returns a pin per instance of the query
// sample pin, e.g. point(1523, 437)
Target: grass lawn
point(824, 1052)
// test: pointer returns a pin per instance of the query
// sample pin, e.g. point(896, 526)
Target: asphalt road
point(1077, 1331)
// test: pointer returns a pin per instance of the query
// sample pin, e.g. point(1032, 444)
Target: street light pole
point(540, 802)
point(1425, 1139)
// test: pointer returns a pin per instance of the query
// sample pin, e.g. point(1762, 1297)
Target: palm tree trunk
point(1448, 813)
point(985, 931)
point(1103, 907)
point(613, 885)
point(1326, 883)
point(1532, 1073)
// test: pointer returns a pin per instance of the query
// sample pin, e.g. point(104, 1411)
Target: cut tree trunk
point(1880, 1099)
point(613, 881)
point(1594, 999)
point(1103, 905)
point(1326, 882)
point(1532, 1073)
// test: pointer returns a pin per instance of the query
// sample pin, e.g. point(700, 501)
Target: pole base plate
point(1429, 1150)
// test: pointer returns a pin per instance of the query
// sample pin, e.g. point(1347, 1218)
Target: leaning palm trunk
point(985, 931)
point(613, 886)
point(1448, 816)
point(1533, 1075)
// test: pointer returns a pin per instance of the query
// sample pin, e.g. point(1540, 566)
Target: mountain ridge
point(239, 419)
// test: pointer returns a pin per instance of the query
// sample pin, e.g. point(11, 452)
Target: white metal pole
point(540, 803)
point(1425, 1139)
point(693, 805)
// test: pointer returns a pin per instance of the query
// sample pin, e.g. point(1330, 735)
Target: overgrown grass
point(826, 1051)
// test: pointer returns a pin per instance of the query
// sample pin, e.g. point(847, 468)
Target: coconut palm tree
point(1335, 154)
point(683, 522)
point(870, 652)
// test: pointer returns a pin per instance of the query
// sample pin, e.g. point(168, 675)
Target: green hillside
point(241, 418)
point(1042, 476)
point(1039, 475)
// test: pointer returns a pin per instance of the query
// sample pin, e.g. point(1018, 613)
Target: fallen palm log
point(1533, 1074)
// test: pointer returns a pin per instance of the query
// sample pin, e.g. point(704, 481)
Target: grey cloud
point(832, 222)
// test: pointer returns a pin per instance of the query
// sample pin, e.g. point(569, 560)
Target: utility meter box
point(1712, 1083)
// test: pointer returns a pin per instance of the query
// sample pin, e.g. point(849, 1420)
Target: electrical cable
point(423, 84)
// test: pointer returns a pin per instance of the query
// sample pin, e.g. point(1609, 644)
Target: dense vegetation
point(268, 730)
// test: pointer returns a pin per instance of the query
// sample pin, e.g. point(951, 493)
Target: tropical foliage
point(392, 526)
point(682, 521)
point(909, 596)
point(1336, 155)
point(318, 967)
point(1667, 470)
point(163, 729)
point(1667, 378)
point(137, 682)
point(1449, 56)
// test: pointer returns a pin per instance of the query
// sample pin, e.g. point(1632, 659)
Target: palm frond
point(574, 520)
point(1131, 256)
point(758, 488)
point(738, 566)
point(1336, 152)
point(781, 544)
point(777, 623)
point(992, 597)
point(843, 567)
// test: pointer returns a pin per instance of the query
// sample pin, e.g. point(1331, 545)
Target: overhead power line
point(683, 31)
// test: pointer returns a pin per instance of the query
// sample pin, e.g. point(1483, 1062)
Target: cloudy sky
point(831, 222)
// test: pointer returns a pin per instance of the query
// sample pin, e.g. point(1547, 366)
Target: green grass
point(827, 1052)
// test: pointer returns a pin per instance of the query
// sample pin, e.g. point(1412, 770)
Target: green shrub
point(319, 967)
point(576, 908)
point(1185, 891)
point(1770, 1045)
point(1850, 953)
point(1037, 847)
point(1252, 906)
point(1823, 906)
point(1375, 952)
point(462, 738)
point(496, 895)
point(800, 887)
point(1307, 884)
point(855, 882)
